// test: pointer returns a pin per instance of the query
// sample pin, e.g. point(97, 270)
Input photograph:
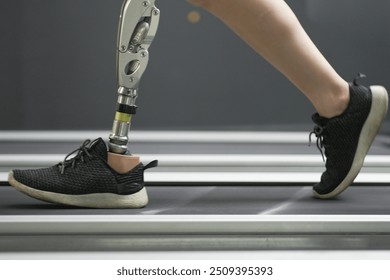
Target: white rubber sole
point(97, 200)
point(370, 129)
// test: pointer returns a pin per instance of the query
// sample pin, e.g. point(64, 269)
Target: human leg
point(349, 115)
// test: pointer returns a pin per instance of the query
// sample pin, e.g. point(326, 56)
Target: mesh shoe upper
point(86, 173)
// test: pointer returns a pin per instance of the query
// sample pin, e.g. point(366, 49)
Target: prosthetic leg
point(137, 28)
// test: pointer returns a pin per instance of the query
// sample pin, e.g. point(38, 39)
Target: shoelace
point(81, 152)
point(318, 131)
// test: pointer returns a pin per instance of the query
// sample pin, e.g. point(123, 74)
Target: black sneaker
point(86, 180)
point(347, 138)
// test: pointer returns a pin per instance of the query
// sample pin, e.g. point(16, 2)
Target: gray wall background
point(57, 66)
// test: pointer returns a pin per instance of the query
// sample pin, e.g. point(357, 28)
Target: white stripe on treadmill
point(161, 136)
point(154, 212)
point(232, 177)
point(3, 177)
point(185, 198)
point(302, 192)
point(253, 177)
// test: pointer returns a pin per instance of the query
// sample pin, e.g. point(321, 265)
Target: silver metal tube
point(122, 123)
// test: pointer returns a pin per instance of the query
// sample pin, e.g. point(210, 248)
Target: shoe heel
point(379, 107)
point(380, 100)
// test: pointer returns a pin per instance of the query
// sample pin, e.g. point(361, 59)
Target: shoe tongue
point(98, 148)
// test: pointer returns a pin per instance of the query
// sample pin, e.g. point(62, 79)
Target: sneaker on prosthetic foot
point(86, 180)
point(346, 139)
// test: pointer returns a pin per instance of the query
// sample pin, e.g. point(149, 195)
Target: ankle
point(335, 102)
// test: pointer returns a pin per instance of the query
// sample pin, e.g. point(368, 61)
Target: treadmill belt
point(219, 201)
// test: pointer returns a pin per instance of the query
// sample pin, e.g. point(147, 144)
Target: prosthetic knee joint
point(137, 28)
